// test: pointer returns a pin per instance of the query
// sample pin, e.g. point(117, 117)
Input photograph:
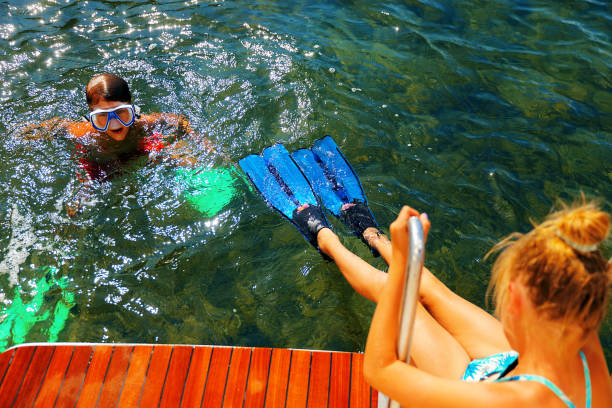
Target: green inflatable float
point(207, 190)
point(18, 319)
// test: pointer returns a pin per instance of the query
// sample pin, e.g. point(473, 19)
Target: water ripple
point(480, 113)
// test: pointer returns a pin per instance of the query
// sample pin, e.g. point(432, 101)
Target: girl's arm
point(601, 380)
point(381, 348)
point(479, 333)
point(412, 387)
point(409, 385)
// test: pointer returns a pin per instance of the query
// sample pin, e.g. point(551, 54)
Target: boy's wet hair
point(108, 86)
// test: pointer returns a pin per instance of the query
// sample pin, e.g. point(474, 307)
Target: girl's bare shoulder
point(600, 373)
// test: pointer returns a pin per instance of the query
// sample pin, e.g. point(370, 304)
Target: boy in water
point(115, 133)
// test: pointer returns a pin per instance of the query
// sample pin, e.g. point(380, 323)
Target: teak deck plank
point(278, 378)
point(5, 360)
point(115, 376)
point(53, 380)
point(360, 390)
point(34, 376)
point(318, 388)
point(340, 380)
point(75, 375)
point(95, 376)
point(374, 397)
point(237, 377)
point(156, 376)
point(258, 378)
point(16, 371)
point(175, 380)
point(297, 391)
point(135, 376)
point(217, 376)
point(196, 377)
point(121, 375)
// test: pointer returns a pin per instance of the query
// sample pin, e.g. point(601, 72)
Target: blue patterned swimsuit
point(494, 368)
point(490, 368)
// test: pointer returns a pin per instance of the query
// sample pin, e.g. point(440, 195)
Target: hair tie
point(577, 246)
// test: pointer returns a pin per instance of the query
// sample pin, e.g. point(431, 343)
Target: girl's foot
point(310, 220)
point(358, 218)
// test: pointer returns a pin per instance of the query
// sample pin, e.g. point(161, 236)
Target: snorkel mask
point(125, 114)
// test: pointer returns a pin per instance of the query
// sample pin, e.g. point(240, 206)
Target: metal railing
point(416, 257)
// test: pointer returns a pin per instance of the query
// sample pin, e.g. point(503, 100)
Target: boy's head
point(107, 93)
point(108, 87)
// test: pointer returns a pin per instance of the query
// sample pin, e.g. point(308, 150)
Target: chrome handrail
point(410, 296)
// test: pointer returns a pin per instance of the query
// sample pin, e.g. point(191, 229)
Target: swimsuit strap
point(554, 388)
point(587, 379)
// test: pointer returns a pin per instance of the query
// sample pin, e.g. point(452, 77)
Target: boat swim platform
point(154, 375)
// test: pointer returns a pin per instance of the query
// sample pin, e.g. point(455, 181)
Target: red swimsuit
point(105, 170)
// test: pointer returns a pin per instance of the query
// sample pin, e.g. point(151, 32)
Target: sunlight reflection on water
point(479, 113)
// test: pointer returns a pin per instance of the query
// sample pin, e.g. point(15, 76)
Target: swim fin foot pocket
point(357, 217)
point(310, 221)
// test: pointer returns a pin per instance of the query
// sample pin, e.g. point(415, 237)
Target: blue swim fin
point(335, 182)
point(283, 186)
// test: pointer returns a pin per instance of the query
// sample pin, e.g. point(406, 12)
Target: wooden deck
point(123, 375)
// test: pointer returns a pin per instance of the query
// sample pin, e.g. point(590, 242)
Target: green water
point(481, 113)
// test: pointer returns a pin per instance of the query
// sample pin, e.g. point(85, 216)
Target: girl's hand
point(400, 237)
point(380, 360)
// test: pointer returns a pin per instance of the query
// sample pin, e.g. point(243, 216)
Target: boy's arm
point(44, 130)
point(479, 333)
point(80, 198)
point(180, 123)
point(178, 150)
point(78, 129)
point(49, 128)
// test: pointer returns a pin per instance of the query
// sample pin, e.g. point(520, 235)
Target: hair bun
point(584, 227)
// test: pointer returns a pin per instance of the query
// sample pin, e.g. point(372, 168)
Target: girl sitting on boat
point(551, 291)
point(551, 288)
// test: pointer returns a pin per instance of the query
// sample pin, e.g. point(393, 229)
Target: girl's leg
point(479, 333)
point(379, 241)
point(433, 348)
point(363, 277)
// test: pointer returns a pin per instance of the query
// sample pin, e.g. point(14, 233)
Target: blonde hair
point(560, 263)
